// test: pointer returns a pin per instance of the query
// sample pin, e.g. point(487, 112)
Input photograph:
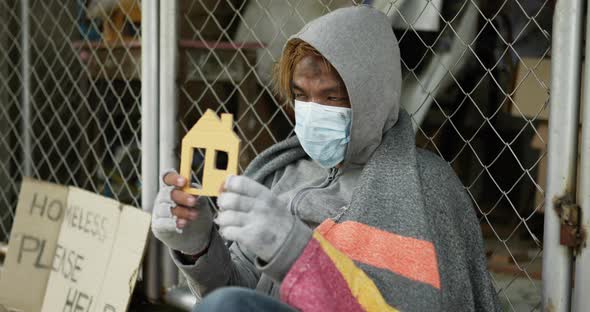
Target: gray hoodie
point(385, 183)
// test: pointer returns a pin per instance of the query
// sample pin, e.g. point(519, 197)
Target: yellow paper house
point(213, 135)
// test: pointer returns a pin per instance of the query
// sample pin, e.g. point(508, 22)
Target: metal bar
point(581, 300)
point(562, 149)
point(149, 136)
point(26, 91)
point(168, 110)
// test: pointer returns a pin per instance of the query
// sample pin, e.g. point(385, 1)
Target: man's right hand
point(180, 220)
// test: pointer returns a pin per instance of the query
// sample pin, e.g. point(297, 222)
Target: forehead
point(314, 67)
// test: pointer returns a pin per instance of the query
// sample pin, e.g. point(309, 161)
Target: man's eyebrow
point(326, 90)
point(333, 89)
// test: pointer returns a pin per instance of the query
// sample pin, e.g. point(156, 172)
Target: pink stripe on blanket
point(315, 284)
point(406, 256)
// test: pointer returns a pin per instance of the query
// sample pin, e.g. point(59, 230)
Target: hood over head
point(360, 44)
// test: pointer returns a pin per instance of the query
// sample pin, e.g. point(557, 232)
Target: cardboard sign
point(126, 256)
point(96, 255)
point(32, 244)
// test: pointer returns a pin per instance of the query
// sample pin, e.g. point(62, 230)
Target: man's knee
point(223, 299)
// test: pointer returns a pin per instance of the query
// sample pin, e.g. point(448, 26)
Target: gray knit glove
point(193, 235)
point(253, 216)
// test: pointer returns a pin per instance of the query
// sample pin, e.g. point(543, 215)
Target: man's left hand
point(253, 216)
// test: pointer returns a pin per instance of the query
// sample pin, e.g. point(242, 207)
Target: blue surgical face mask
point(324, 131)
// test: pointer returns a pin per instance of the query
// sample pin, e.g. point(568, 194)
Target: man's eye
point(337, 99)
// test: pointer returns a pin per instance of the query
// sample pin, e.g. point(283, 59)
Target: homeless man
point(348, 215)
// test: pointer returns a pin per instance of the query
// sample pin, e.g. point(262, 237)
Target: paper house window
point(216, 137)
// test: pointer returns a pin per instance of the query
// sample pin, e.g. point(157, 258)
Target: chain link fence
point(69, 98)
point(475, 82)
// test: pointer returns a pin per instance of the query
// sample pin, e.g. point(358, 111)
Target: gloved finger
point(172, 178)
point(164, 225)
point(234, 201)
point(231, 218)
point(181, 223)
point(231, 233)
point(183, 212)
point(246, 186)
point(163, 203)
point(183, 198)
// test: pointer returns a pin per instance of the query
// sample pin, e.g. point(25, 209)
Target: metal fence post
point(26, 91)
point(149, 135)
point(581, 301)
point(168, 110)
point(562, 149)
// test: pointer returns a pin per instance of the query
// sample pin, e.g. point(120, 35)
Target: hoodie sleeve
point(327, 275)
point(291, 249)
point(220, 266)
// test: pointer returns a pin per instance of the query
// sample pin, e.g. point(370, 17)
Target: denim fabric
point(240, 299)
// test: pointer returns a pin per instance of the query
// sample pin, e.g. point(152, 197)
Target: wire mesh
point(83, 94)
point(470, 69)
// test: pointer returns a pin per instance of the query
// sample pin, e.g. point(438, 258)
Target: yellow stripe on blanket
point(361, 286)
